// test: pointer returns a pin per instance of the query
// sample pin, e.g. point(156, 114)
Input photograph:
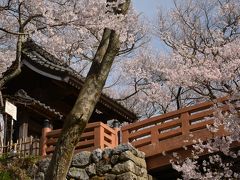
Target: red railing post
point(125, 135)
point(185, 122)
point(99, 136)
point(154, 135)
point(43, 143)
point(116, 138)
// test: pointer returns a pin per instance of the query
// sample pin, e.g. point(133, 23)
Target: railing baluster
point(154, 135)
point(96, 135)
point(185, 123)
point(125, 136)
point(115, 137)
point(99, 136)
point(97, 139)
point(43, 141)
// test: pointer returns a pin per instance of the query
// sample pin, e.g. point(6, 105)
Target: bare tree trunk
point(89, 95)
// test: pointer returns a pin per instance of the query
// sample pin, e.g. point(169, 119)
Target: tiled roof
point(40, 57)
point(24, 98)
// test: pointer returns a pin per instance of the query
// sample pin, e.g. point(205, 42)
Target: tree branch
point(30, 18)
point(13, 33)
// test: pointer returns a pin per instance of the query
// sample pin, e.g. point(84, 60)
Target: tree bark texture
point(89, 95)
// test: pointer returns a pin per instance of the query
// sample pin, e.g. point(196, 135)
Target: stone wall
point(121, 163)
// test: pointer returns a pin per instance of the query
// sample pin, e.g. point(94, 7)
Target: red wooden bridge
point(158, 136)
point(175, 131)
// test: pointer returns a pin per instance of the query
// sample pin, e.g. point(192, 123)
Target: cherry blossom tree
point(204, 38)
point(70, 30)
point(73, 30)
point(202, 64)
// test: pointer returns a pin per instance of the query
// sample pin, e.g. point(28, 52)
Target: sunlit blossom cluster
point(70, 30)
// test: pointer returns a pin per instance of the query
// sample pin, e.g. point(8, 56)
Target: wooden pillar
point(99, 136)
point(117, 137)
point(5, 130)
point(125, 135)
point(4, 116)
point(47, 127)
point(23, 130)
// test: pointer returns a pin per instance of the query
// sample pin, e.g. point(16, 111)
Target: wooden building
point(45, 92)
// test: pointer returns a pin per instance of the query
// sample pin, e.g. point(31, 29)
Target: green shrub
point(5, 175)
point(16, 168)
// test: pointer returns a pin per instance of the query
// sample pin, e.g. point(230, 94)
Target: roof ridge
point(23, 94)
point(30, 45)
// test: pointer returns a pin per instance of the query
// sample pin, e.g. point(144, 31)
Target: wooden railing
point(174, 130)
point(155, 136)
point(96, 135)
point(24, 147)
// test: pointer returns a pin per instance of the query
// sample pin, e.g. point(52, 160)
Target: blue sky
point(149, 9)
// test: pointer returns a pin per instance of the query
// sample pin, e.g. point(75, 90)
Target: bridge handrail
point(96, 135)
point(159, 118)
point(177, 123)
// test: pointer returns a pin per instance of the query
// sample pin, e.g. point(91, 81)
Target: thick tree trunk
point(88, 97)
point(84, 106)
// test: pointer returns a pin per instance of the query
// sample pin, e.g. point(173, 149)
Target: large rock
point(32, 170)
point(110, 176)
point(105, 177)
point(103, 167)
point(91, 169)
point(96, 155)
point(121, 163)
point(43, 165)
point(128, 147)
point(130, 176)
point(40, 176)
point(81, 159)
point(107, 153)
point(114, 159)
point(128, 155)
point(127, 176)
point(78, 173)
point(97, 178)
point(122, 147)
point(128, 166)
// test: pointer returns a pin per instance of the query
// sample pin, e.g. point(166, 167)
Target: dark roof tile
point(40, 56)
